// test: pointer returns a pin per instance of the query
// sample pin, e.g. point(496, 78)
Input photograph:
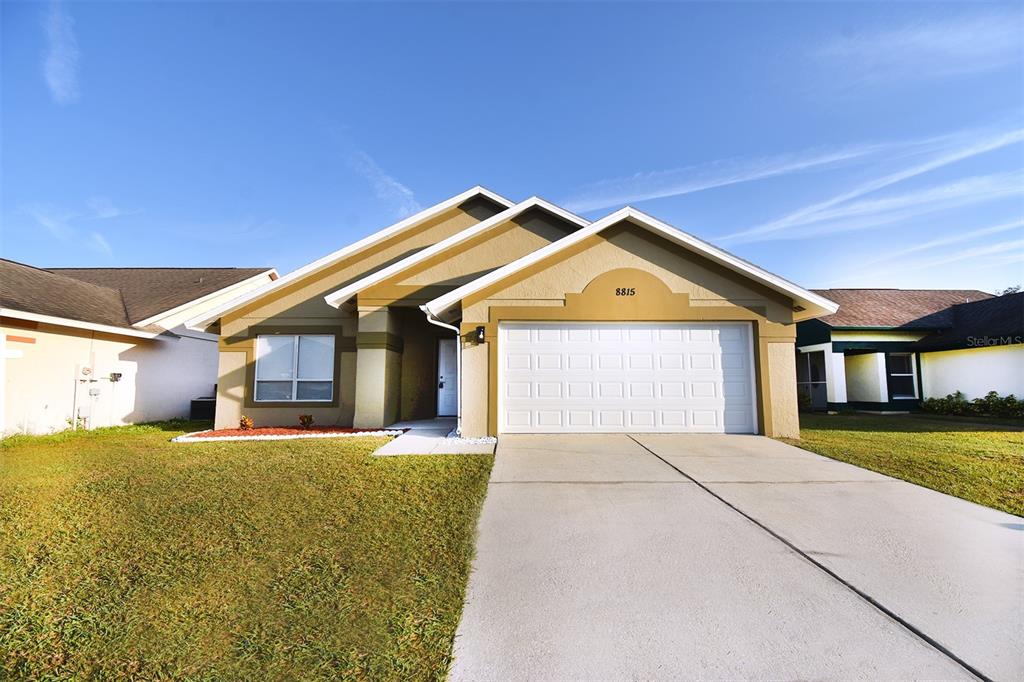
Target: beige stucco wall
point(672, 284)
point(501, 244)
point(300, 305)
point(973, 371)
point(782, 376)
point(475, 369)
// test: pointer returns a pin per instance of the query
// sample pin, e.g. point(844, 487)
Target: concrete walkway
point(667, 557)
point(430, 437)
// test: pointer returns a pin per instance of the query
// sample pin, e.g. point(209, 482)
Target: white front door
point(626, 377)
point(447, 379)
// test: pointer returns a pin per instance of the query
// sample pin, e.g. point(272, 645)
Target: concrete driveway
point(667, 557)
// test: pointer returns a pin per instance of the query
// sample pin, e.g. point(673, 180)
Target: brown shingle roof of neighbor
point(117, 297)
point(149, 291)
point(34, 290)
point(908, 308)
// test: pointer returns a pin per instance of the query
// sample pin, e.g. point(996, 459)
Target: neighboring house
point(518, 317)
point(107, 346)
point(887, 349)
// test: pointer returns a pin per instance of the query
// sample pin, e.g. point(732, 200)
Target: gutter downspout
point(458, 364)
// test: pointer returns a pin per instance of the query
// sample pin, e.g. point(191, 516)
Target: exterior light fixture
point(480, 334)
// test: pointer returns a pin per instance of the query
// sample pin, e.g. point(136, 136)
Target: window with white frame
point(295, 367)
point(902, 375)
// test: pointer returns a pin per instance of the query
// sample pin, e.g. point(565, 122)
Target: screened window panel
point(316, 358)
point(314, 390)
point(273, 390)
point(900, 364)
point(275, 356)
point(901, 386)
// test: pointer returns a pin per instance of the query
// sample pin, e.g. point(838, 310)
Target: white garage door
point(637, 377)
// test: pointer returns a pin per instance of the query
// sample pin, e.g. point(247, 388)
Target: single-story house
point(518, 317)
point(888, 349)
point(88, 347)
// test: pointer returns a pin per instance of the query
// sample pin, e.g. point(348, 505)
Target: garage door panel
point(594, 377)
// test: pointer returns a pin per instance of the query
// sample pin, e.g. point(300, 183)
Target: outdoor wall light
point(480, 334)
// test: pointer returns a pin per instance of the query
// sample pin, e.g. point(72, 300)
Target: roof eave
point(203, 322)
point(337, 298)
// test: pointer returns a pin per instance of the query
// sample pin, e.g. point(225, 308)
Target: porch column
point(378, 368)
point(835, 376)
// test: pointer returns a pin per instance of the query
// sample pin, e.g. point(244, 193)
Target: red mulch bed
point(282, 431)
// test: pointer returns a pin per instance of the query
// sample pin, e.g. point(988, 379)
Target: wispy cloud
point(100, 244)
point(955, 45)
point(958, 238)
point(102, 208)
point(54, 221)
point(67, 225)
point(60, 66)
point(776, 228)
point(384, 186)
point(871, 213)
point(679, 181)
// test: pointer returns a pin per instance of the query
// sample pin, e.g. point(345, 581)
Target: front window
point(902, 377)
point(296, 368)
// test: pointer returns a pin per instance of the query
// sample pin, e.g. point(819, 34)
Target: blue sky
point(836, 144)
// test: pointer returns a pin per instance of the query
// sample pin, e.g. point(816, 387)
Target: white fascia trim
point(78, 324)
point(201, 323)
point(441, 304)
point(338, 297)
point(155, 319)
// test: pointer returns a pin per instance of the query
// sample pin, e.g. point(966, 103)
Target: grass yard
point(979, 462)
point(123, 555)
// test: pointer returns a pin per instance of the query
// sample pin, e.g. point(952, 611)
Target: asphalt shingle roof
point(117, 297)
point(908, 308)
point(993, 321)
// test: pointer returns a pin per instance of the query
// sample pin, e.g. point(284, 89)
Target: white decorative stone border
point(482, 440)
point(197, 437)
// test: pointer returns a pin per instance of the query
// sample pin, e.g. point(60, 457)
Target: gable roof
point(109, 299)
point(204, 321)
point(338, 297)
point(993, 321)
point(896, 308)
point(814, 304)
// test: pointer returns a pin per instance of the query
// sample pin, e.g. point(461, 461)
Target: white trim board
point(78, 324)
point(202, 322)
point(814, 304)
point(155, 319)
point(338, 297)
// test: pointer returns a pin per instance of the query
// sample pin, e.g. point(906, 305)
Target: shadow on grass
point(907, 423)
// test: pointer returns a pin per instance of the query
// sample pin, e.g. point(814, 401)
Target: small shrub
point(306, 421)
point(991, 405)
point(246, 423)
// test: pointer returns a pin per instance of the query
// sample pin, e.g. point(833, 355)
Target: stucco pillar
point(378, 368)
point(785, 411)
point(475, 398)
point(230, 389)
point(835, 377)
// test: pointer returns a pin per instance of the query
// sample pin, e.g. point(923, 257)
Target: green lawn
point(983, 463)
point(124, 555)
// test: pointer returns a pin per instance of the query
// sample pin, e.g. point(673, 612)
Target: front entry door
point(447, 379)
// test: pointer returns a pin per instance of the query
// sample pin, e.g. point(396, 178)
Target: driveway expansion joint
point(825, 569)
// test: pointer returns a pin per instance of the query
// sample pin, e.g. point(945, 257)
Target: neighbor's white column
point(883, 379)
point(835, 377)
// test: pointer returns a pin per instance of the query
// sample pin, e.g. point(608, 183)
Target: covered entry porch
point(882, 377)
